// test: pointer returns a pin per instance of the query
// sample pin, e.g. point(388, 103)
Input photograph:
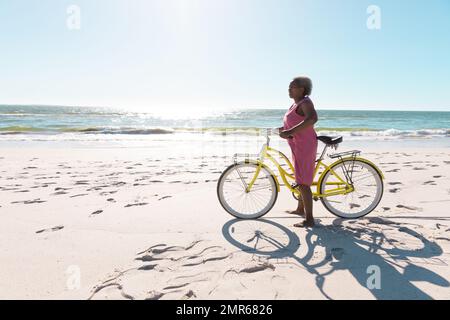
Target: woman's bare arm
point(310, 118)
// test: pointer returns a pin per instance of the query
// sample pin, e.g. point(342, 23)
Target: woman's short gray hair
point(304, 82)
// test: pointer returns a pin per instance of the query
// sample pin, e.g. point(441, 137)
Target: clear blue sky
point(157, 54)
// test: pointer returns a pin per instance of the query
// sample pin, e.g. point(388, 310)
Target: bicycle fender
point(359, 159)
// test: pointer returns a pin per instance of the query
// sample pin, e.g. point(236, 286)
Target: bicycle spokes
point(247, 190)
point(359, 198)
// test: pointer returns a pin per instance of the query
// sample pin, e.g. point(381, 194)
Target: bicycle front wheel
point(367, 184)
point(243, 202)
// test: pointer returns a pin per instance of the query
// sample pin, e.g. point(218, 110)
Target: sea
point(19, 123)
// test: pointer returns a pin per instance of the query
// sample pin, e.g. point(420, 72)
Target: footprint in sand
point(51, 177)
point(59, 193)
point(258, 268)
point(9, 189)
point(354, 205)
point(51, 229)
point(82, 182)
point(431, 182)
point(407, 207)
point(386, 208)
point(418, 168)
point(188, 295)
point(110, 200)
point(79, 195)
point(394, 183)
point(96, 188)
point(148, 267)
point(136, 204)
point(105, 193)
point(38, 200)
point(280, 281)
point(96, 212)
point(154, 295)
point(395, 190)
point(165, 197)
point(437, 177)
point(62, 189)
point(393, 170)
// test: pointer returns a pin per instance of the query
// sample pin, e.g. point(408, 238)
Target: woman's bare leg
point(300, 207)
point(308, 206)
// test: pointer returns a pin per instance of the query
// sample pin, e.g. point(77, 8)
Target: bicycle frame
point(346, 175)
point(342, 187)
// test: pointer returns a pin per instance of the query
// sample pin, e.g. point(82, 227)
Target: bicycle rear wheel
point(367, 194)
point(232, 194)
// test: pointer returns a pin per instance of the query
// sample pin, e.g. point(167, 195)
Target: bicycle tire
point(326, 202)
point(229, 207)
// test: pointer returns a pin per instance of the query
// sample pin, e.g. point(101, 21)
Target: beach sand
point(132, 223)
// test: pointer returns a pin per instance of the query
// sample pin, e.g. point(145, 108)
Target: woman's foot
point(297, 212)
point(305, 224)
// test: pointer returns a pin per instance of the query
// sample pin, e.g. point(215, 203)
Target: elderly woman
point(298, 128)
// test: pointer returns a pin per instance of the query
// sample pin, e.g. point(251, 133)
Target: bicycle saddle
point(330, 140)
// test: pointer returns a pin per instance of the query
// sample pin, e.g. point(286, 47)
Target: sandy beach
point(132, 223)
point(118, 119)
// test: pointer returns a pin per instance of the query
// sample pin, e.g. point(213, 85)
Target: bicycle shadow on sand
point(356, 246)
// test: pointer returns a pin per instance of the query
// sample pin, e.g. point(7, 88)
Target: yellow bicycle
point(350, 187)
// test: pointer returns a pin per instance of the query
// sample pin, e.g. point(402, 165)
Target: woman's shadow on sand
point(345, 250)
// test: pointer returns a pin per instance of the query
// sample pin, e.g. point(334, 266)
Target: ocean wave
point(109, 130)
point(89, 130)
point(348, 132)
point(221, 131)
point(20, 129)
point(403, 133)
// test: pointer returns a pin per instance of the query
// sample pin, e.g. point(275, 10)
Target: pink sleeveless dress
point(303, 146)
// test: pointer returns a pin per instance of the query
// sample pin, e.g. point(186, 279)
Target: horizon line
point(339, 108)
